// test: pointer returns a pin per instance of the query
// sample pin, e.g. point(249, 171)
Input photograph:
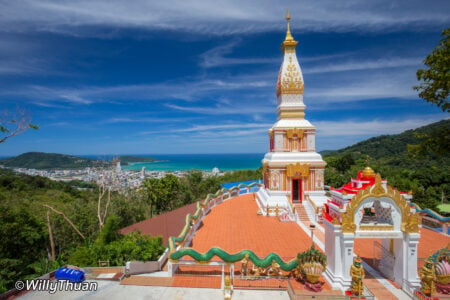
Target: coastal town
point(115, 177)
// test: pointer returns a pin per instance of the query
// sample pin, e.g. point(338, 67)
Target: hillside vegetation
point(47, 161)
point(41, 160)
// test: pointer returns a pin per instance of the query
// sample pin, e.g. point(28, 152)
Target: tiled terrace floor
point(235, 225)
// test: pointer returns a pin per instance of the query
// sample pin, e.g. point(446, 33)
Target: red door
point(296, 191)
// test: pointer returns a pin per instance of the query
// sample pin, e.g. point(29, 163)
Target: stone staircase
point(301, 213)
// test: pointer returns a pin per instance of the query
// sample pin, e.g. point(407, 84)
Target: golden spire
point(289, 40)
point(288, 33)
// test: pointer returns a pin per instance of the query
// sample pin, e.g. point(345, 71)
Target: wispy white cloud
point(372, 128)
point(189, 89)
point(216, 57)
point(248, 109)
point(230, 17)
point(120, 120)
point(356, 65)
point(214, 128)
point(363, 86)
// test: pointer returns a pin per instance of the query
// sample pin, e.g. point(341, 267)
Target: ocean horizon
point(184, 162)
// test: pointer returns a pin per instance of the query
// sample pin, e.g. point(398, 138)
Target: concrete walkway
point(113, 290)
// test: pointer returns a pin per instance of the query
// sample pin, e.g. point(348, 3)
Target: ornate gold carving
point(410, 222)
point(291, 82)
point(335, 221)
point(295, 132)
point(348, 224)
point(378, 187)
point(376, 227)
point(428, 278)
point(297, 170)
point(357, 274)
point(271, 133)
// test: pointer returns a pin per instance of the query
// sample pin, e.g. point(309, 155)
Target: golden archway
point(409, 222)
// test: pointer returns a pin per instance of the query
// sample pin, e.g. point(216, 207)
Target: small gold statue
point(274, 269)
point(228, 288)
point(244, 265)
point(428, 278)
point(357, 274)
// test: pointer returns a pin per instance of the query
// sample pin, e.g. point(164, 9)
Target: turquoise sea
point(204, 162)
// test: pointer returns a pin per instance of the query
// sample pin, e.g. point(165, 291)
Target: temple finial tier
point(289, 40)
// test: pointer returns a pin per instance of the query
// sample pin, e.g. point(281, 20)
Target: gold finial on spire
point(289, 40)
point(288, 32)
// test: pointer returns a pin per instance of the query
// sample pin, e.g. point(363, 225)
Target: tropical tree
point(435, 81)
point(12, 124)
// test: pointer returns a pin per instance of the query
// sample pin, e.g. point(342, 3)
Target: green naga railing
point(431, 213)
point(175, 255)
point(231, 258)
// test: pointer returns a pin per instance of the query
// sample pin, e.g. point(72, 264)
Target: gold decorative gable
point(410, 221)
point(291, 82)
point(295, 132)
point(297, 170)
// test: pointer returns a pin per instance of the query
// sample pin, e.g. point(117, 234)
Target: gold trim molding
point(295, 132)
point(297, 170)
point(410, 221)
point(365, 227)
point(291, 114)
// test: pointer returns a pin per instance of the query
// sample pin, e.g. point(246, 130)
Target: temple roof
point(364, 179)
point(165, 225)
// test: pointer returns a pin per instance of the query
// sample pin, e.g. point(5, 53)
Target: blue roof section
point(229, 185)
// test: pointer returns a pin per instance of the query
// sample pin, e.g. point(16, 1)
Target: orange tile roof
point(165, 225)
point(235, 225)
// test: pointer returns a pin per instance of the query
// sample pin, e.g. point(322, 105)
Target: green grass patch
point(444, 207)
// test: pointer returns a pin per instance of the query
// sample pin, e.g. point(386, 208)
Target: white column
point(411, 280)
point(348, 240)
point(339, 252)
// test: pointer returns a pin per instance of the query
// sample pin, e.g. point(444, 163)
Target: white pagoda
point(293, 170)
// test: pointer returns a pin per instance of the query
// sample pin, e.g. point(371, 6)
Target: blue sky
point(117, 77)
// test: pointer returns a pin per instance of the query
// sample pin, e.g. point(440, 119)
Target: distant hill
point(128, 159)
point(385, 146)
point(41, 160)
